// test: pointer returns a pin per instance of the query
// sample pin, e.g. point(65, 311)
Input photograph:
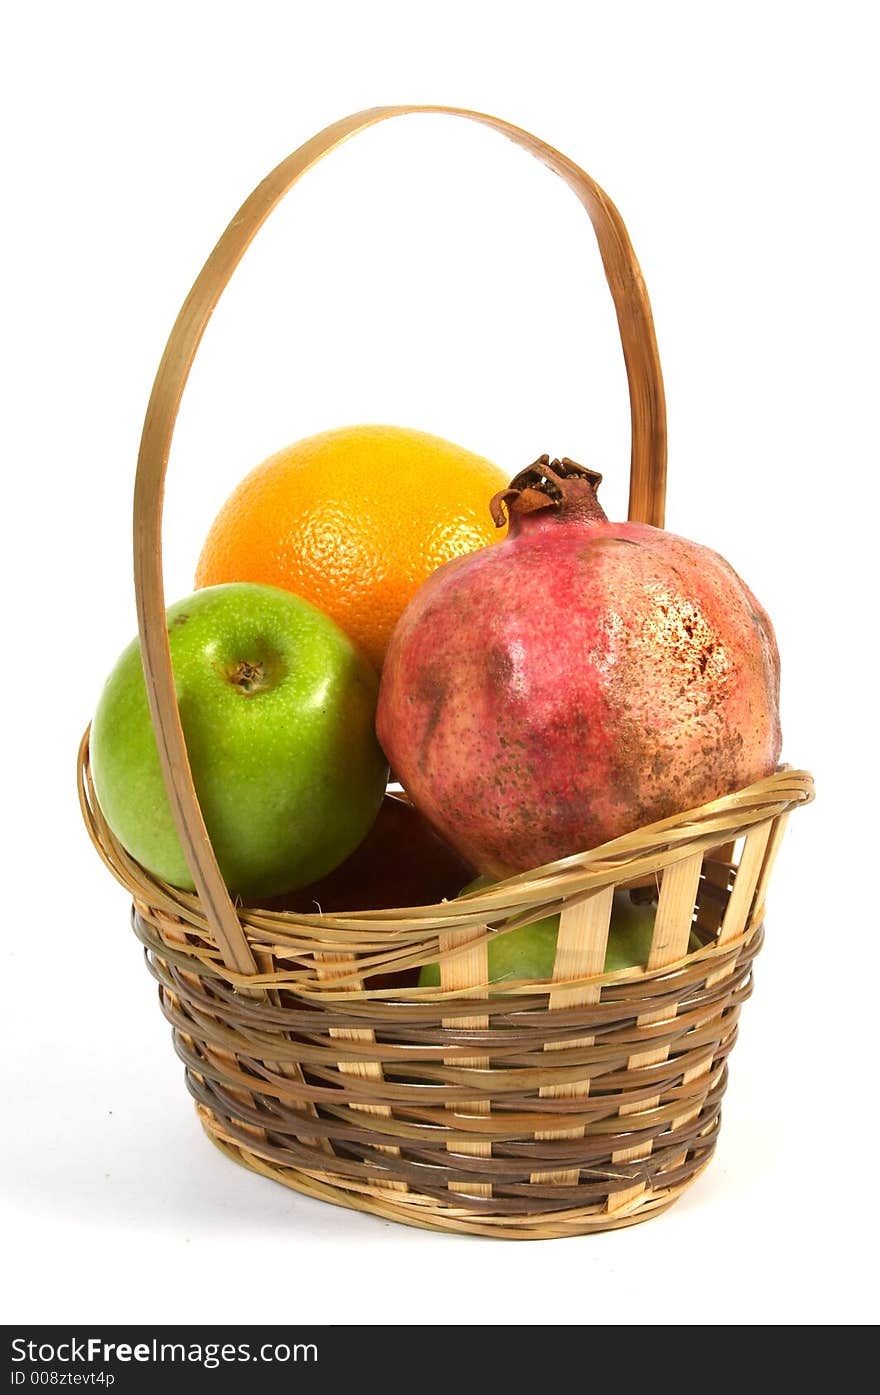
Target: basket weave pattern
point(584, 1104)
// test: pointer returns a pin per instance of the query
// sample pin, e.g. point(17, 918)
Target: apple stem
point(247, 676)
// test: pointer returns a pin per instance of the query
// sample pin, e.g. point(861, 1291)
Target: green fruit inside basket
point(529, 952)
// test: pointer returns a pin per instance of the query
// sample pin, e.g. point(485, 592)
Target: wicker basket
point(551, 1109)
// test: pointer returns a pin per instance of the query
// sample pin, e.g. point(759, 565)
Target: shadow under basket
point(584, 1103)
point(581, 1103)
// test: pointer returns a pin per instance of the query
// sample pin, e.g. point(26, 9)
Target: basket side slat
point(733, 924)
point(289, 1069)
point(468, 974)
point(775, 842)
point(672, 929)
point(333, 966)
point(177, 937)
point(740, 903)
point(580, 952)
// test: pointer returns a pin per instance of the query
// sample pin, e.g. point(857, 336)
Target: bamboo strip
point(779, 826)
point(468, 974)
point(672, 929)
point(175, 935)
point(742, 896)
point(367, 1070)
point(580, 951)
point(733, 924)
point(289, 1069)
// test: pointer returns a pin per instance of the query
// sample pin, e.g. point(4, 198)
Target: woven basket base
point(425, 1214)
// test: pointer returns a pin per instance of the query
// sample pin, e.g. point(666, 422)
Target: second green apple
point(530, 951)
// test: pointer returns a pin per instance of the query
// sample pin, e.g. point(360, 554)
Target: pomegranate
point(575, 681)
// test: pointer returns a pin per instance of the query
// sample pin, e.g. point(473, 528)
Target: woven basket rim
point(642, 852)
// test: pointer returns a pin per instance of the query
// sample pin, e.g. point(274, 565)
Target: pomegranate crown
point(564, 486)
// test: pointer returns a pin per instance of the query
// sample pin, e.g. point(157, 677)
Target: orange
point(354, 520)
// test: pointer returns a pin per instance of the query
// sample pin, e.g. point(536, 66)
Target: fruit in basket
point(530, 950)
point(277, 709)
point(401, 862)
point(354, 520)
point(579, 680)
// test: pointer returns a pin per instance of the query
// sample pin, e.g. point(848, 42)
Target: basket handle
point(647, 471)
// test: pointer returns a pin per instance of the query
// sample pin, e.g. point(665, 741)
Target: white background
point(430, 274)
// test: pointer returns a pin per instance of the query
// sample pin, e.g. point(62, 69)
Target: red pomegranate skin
point(574, 682)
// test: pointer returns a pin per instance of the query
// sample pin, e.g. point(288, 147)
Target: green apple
point(277, 708)
point(530, 951)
